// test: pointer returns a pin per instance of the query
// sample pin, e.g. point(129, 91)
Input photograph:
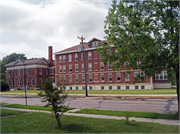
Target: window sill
point(110, 81)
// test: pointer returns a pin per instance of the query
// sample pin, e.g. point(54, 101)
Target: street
point(143, 105)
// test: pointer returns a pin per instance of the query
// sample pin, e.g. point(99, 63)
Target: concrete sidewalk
point(160, 121)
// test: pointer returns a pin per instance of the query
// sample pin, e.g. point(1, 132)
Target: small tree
point(55, 96)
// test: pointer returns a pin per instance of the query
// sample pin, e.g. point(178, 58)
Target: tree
point(10, 58)
point(4, 86)
point(146, 32)
point(55, 96)
point(3, 77)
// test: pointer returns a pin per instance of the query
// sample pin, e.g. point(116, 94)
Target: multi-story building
point(30, 72)
point(69, 68)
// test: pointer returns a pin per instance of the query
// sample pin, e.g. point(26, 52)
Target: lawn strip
point(131, 114)
point(5, 112)
point(45, 123)
point(33, 107)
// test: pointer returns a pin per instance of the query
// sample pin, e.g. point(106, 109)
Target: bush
point(4, 86)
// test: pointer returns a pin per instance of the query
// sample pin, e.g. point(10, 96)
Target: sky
point(30, 26)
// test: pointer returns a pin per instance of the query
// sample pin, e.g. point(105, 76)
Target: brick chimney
point(50, 55)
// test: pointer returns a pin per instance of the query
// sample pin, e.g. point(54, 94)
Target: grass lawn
point(133, 92)
point(31, 107)
point(45, 123)
point(131, 114)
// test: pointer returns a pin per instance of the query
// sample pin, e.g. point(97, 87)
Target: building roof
point(28, 61)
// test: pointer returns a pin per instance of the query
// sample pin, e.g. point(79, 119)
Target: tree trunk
point(177, 90)
point(58, 119)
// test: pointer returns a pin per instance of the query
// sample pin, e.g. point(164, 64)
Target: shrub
point(4, 86)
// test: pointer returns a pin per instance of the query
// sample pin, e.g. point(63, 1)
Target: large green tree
point(145, 31)
point(10, 58)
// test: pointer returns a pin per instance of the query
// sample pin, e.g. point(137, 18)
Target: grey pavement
point(160, 121)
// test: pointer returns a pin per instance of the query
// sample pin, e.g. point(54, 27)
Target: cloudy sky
point(30, 26)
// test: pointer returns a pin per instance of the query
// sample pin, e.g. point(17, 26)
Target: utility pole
point(84, 62)
point(25, 87)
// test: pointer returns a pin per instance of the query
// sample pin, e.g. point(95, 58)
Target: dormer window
point(95, 43)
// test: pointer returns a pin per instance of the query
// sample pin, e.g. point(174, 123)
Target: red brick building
point(69, 68)
point(30, 72)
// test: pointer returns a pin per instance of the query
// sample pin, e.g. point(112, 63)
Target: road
point(146, 105)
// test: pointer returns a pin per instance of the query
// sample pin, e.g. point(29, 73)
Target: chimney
point(50, 55)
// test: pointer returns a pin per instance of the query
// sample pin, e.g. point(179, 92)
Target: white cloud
point(55, 23)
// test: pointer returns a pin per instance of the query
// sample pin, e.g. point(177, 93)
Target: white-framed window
point(64, 79)
point(40, 72)
point(40, 81)
point(161, 76)
point(126, 64)
point(19, 72)
point(94, 44)
point(70, 58)
point(83, 78)
point(109, 66)
point(70, 68)
point(90, 78)
point(77, 78)
point(118, 77)
point(9, 74)
point(64, 68)
point(89, 55)
point(53, 71)
point(70, 79)
point(142, 75)
point(110, 77)
point(60, 69)
point(12, 82)
point(64, 58)
point(13, 73)
point(82, 66)
point(28, 72)
point(76, 67)
point(127, 77)
point(101, 66)
point(76, 57)
point(82, 56)
point(19, 82)
point(60, 78)
point(60, 59)
point(32, 82)
point(90, 66)
point(27, 82)
point(102, 77)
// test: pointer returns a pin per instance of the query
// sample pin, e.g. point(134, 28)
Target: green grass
point(133, 92)
point(31, 107)
point(45, 123)
point(5, 112)
point(131, 114)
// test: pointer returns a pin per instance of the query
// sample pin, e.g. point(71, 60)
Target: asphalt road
point(148, 105)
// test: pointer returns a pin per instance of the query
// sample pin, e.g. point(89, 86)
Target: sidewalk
point(160, 121)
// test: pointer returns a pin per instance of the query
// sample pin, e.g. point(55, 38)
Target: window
point(110, 77)
point(89, 55)
point(60, 69)
point(70, 68)
point(135, 74)
point(64, 79)
point(94, 44)
point(76, 57)
point(13, 73)
point(40, 82)
point(27, 82)
point(60, 59)
point(28, 72)
point(9, 82)
point(76, 68)
point(53, 71)
point(10, 74)
point(118, 77)
point(127, 77)
point(83, 79)
point(100, 56)
point(90, 66)
point(110, 87)
point(82, 67)
point(101, 66)
point(60, 79)
point(136, 87)
point(83, 87)
point(102, 77)
point(118, 87)
point(142, 76)
point(70, 79)
point(64, 68)
point(77, 79)
point(126, 65)
point(109, 66)
point(90, 78)
point(40, 72)
point(142, 87)
point(82, 56)
point(161, 76)
point(102, 87)
point(76, 88)
point(127, 87)
point(32, 82)
point(19, 82)
point(45, 72)
point(64, 58)
point(90, 88)
point(19, 72)
point(70, 88)
point(12, 82)
point(70, 58)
